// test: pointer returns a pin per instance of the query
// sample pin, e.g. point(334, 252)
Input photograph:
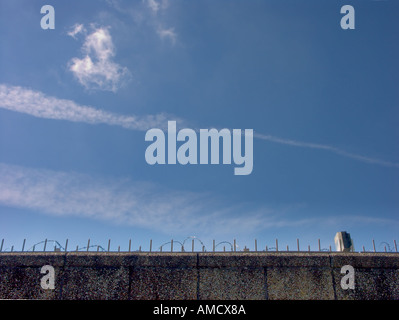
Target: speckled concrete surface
point(155, 283)
point(370, 284)
point(95, 283)
point(230, 275)
point(24, 283)
point(300, 283)
point(232, 283)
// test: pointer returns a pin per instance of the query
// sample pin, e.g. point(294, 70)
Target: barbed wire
point(45, 245)
point(231, 246)
point(385, 244)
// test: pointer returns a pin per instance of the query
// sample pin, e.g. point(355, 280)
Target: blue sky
point(76, 102)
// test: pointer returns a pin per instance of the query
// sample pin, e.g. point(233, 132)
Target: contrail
point(335, 150)
point(39, 105)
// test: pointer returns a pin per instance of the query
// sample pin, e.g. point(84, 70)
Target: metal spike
point(1, 247)
point(23, 245)
point(45, 244)
point(66, 245)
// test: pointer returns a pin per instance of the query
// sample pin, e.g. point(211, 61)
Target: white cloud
point(152, 12)
point(76, 29)
point(39, 105)
point(153, 5)
point(168, 34)
point(163, 32)
point(143, 204)
point(97, 70)
point(123, 201)
point(157, 5)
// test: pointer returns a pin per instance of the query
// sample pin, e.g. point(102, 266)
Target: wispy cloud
point(156, 5)
point(147, 205)
point(97, 70)
point(165, 33)
point(169, 34)
point(325, 147)
point(37, 104)
point(152, 12)
point(133, 203)
point(153, 5)
point(76, 29)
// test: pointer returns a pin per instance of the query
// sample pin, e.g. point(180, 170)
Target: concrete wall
point(250, 275)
